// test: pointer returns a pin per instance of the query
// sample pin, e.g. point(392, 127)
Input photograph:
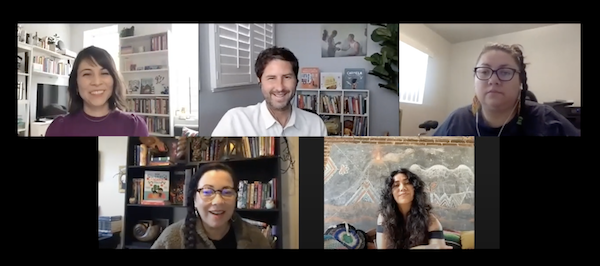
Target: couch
point(455, 239)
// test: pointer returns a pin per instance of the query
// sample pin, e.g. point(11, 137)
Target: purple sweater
point(116, 123)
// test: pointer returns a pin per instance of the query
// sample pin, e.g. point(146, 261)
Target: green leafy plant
point(386, 61)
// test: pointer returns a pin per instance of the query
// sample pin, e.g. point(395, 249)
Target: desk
point(109, 242)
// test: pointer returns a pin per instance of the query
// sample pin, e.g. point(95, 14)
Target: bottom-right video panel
point(399, 193)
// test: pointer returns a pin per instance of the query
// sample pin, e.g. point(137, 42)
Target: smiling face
point(216, 198)
point(278, 84)
point(95, 84)
point(501, 90)
point(402, 189)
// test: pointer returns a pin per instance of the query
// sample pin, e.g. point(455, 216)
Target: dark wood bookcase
point(261, 169)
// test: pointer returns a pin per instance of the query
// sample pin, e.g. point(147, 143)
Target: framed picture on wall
point(343, 40)
point(99, 166)
point(122, 179)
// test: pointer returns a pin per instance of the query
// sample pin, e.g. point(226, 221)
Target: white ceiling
point(455, 33)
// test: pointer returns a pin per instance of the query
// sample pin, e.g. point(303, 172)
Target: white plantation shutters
point(262, 38)
point(234, 48)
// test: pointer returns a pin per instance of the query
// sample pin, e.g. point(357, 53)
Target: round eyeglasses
point(209, 193)
point(503, 74)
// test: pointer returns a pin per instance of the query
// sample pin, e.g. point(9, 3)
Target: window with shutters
point(233, 51)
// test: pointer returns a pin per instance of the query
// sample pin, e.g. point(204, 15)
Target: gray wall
point(304, 41)
point(213, 105)
point(354, 179)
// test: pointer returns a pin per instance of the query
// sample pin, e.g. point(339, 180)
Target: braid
point(525, 87)
point(189, 231)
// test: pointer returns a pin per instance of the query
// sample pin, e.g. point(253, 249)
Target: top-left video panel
point(106, 79)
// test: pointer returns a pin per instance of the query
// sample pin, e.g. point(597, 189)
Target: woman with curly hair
point(211, 221)
point(405, 220)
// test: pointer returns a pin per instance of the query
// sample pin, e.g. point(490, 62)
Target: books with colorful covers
point(309, 78)
point(331, 80)
point(354, 79)
point(156, 187)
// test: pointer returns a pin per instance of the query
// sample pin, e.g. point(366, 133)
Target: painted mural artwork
point(355, 174)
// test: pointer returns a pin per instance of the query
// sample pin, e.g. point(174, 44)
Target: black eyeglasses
point(503, 74)
point(209, 193)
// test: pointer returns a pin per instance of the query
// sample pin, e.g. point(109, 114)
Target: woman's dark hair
point(272, 53)
point(530, 96)
point(405, 234)
point(189, 231)
point(99, 56)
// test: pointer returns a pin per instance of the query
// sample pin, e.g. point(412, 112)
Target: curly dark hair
point(189, 232)
point(414, 231)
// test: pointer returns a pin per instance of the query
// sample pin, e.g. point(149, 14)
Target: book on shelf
point(156, 188)
point(309, 78)
point(356, 105)
point(51, 65)
point(268, 230)
point(331, 80)
point(245, 147)
point(257, 195)
point(148, 105)
point(156, 156)
point(354, 79)
point(331, 104)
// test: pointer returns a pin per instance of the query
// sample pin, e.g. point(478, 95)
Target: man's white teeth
point(97, 92)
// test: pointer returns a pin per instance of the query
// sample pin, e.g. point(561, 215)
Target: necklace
point(502, 128)
point(96, 121)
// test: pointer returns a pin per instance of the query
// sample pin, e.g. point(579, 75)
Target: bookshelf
point(37, 61)
point(328, 105)
point(257, 169)
point(144, 63)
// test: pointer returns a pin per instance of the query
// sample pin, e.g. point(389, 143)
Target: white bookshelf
point(344, 113)
point(148, 58)
point(37, 63)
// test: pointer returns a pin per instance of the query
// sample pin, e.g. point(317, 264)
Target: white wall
point(436, 86)
point(554, 72)
point(140, 29)
point(291, 204)
point(113, 153)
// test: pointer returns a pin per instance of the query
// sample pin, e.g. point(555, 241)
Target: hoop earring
point(196, 212)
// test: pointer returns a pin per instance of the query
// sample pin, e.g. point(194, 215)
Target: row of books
point(350, 79)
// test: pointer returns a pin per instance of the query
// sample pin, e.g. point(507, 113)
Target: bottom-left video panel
point(156, 192)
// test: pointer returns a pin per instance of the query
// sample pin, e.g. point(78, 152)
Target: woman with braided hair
point(499, 106)
point(211, 221)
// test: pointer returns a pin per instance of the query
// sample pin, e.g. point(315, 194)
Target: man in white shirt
point(277, 72)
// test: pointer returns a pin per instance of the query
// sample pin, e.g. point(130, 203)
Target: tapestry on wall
point(355, 174)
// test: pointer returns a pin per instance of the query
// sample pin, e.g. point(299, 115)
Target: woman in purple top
point(96, 101)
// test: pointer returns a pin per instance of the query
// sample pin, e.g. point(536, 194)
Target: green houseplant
point(385, 62)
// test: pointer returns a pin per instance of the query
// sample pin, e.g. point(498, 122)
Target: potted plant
point(385, 62)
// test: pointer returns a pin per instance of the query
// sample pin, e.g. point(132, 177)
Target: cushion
point(467, 239)
point(348, 236)
point(452, 238)
point(331, 243)
point(187, 132)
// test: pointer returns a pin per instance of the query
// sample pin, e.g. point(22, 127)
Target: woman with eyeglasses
point(499, 106)
point(211, 221)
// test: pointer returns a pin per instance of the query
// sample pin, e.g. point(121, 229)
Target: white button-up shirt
point(257, 121)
